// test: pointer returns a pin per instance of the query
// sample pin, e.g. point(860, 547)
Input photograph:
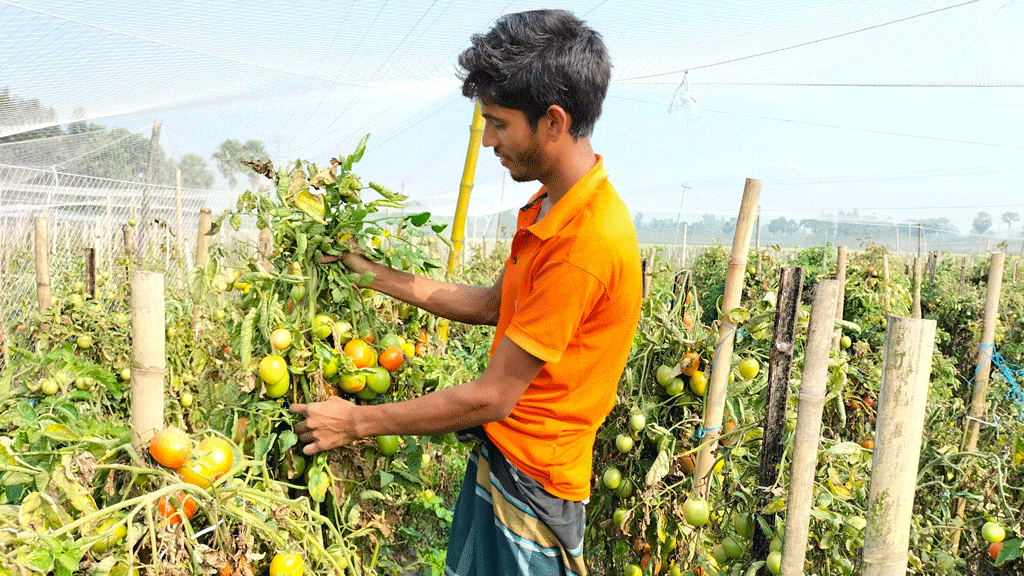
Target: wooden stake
point(647, 267)
point(841, 277)
point(918, 272)
point(963, 274)
point(808, 426)
point(986, 348)
point(129, 242)
point(179, 226)
point(931, 273)
point(715, 400)
point(899, 427)
point(202, 240)
point(43, 290)
point(886, 296)
point(148, 357)
point(266, 247)
point(780, 358)
point(90, 273)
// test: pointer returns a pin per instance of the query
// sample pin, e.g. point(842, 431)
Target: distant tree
point(230, 155)
point(941, 225)
point(1009, 218)
point(195, 173)
point(638, 221)
point(982, 223)
point(783, 225)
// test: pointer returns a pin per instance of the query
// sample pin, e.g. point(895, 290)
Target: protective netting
point(863, 118)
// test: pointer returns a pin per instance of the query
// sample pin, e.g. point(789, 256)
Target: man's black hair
point(532, 60)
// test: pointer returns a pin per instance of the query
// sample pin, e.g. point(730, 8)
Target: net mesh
point(82, 82)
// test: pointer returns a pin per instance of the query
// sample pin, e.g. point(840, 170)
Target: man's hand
point(325, 425)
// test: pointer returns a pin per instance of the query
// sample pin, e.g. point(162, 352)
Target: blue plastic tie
point(1009, 372)
point(702, 431)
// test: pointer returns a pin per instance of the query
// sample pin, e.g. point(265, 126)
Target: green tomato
point(696, 511)
point(612, 478)
point(991, 532)
point(624, 443)
point(637, 421)
point(84, 341)
point(49, 386)
point(388, 445)
point(185, 399)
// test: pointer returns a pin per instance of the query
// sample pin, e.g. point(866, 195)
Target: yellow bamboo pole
point(476, 134)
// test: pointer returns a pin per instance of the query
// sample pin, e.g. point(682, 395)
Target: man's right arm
point(458, 302)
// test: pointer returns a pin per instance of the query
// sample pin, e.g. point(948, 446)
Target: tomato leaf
point(419, 219)
point(262, 446)
point(1011, 551)
point(60, 432)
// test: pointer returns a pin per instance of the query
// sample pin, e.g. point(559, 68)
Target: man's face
point(514, 141)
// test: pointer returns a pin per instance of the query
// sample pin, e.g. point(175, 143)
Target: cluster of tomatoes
point(210, 459)
point(359, 368)
point(201, 465)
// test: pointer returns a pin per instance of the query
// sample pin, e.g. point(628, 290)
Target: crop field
point(256, 324)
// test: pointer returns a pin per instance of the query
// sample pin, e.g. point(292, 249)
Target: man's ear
point(557, 122)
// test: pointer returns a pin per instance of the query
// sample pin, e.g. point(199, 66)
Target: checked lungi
point(506, 524)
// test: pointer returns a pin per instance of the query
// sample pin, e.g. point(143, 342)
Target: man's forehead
point(493, 111)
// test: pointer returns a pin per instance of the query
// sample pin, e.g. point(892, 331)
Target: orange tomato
point(391, 359)
point(170, 447)
point(688, 320)
point(694, 364)
point(423, 336)
point(211, 459)
point(169, 507)
point(360, 352)
point(369, 337)
point(421, 349)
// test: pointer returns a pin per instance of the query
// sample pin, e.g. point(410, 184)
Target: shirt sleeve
point(560, 299)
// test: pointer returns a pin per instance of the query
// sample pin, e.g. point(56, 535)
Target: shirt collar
point(574, 202)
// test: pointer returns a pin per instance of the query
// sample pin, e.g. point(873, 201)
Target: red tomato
point(211, 459)
point(172, 508)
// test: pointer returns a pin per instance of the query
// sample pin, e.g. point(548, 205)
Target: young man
point(565, 307)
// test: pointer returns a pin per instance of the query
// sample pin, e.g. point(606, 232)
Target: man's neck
point(569, 169)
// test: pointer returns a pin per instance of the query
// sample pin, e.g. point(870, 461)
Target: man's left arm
point(491, 397)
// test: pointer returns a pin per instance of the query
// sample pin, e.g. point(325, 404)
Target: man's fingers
point(328, 258)
point(300, 409)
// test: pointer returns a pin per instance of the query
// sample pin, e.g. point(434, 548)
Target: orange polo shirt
point(571, 296)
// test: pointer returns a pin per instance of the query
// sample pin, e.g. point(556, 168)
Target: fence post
point(918, 272)
point(902, 397)
point(90, 273)
point(42, 246)
point(148, 357)
point(780, 358)
point(808, 427)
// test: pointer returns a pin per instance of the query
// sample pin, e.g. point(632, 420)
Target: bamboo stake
point(757, 243)
point(902, 397)
point(886, 296)
point(808, 427)
point(780, 359)
point(979, 405)
point(918, 272)
point(931, 273)
point(476, 132)
point(714, 407)
point(43, 289)
point(841, 277)
point(148, 357)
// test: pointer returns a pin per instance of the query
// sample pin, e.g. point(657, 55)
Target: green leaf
point(262, 446)
point(60, 432)
point(438, 228)
point(420, 219)
point(360, 149)
point(848, 326)
point(286, 440)
point(386, 478)
point(1011, 551)
point(659, 468)
point(26, 411)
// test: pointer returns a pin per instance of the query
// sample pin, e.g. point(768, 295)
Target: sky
point(904, 111)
